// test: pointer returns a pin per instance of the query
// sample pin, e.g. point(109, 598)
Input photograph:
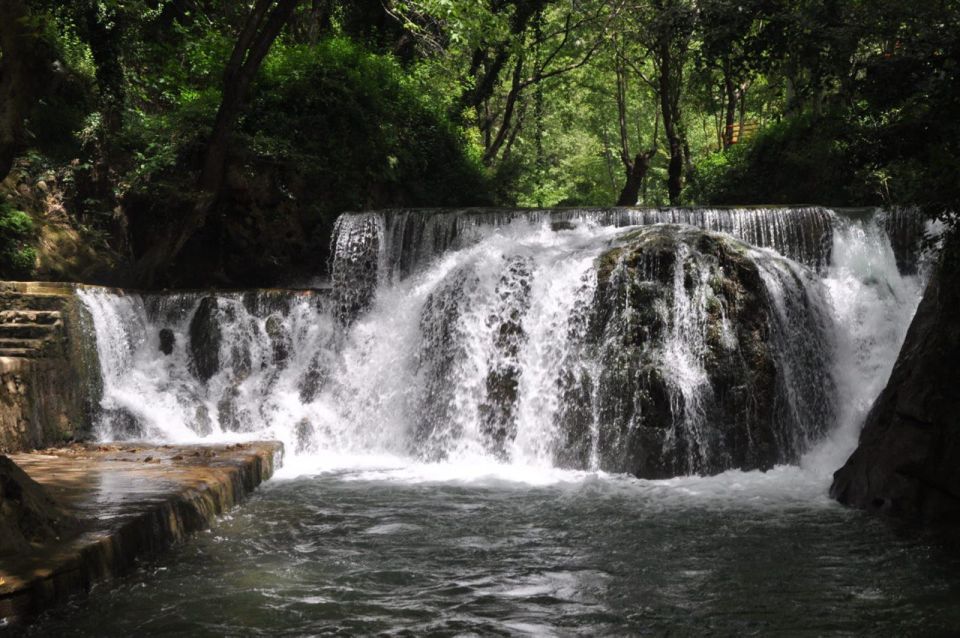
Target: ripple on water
point(585, 554)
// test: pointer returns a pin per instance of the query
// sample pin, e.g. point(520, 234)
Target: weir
point(655, 342)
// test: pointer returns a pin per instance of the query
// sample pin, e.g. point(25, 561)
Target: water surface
point(414, 551)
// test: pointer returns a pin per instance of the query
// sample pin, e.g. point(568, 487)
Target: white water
point(402, 392)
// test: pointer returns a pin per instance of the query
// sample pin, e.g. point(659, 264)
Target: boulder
point(690, 359)
point(907, 463)
point(27, 513)
point(497, 410)
point(167, 341)
point(281, 344)
point(205, 339)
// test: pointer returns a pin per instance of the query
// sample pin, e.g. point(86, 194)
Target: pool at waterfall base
point(413, 551)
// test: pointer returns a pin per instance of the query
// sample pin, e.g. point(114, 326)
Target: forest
point(170, 142)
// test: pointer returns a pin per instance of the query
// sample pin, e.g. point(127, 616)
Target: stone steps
point(31, 301)
point(22, 353)
point(28, 330)
point(22, 343)
point(31, 318)
point(47, 317)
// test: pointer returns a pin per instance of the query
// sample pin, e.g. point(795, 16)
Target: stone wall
point(49, 389)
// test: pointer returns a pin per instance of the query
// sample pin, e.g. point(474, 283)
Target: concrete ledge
point(132, 500)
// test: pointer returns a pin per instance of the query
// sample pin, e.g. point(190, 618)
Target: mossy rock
point(648, 427)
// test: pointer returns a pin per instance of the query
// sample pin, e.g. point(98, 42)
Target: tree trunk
point(263, 25)
point(635, 173)
point(25, 71)
point(321, 14)
point(104, 45)
point(489, 60)
point(493, 147)
point(669, 109)
point(730, 112)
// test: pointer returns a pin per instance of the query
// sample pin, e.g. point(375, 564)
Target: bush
point(801, 160)
point(364, 133)
point(17, 232)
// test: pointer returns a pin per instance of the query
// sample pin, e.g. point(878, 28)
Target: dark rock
point(355, 273)
point(558, 226)
point(441, 348)
point(205, 339)
point(167, 341)
point(497, 411)
point(313, 380)
point(231, 416)
point(27, 513)
point(264, 302)
point(907, 464)
point(280, 341)
point(741, 416)
point(122, 424)
point(202, 423)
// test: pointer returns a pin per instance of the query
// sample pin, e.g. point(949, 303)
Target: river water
point(413, 551)
point(376, 525)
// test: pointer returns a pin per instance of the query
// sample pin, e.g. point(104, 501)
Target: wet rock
point(229, 412)
point(305, 432)
point(907, 463)
point(562, 225)
point(205, 339)
point(122, 424)
point(167, 341)
point(313, 380)
point(280, 342)
point(27, 513)
point(497, 411)
point(690, 378)
point(264, 302)
point(440, 349)
point(355, 272)
point(202, 423)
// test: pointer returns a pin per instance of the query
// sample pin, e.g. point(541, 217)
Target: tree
point(635, 166)
point(725, 31)
point(264, 23)
point(26, 70)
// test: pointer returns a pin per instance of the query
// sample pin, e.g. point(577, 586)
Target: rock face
point(167, 341)
point(27, 514)
point(907, 464)
point(695, 337)
point(205, 338)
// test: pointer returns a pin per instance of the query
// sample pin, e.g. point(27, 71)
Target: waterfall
point(656, 342)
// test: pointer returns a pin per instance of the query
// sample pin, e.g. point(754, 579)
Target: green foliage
point(17, 232)
point(374, 103)
point(359, 129)
point(799, 160)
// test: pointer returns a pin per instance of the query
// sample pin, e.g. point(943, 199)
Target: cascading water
point(587, 339)
point(243, 364)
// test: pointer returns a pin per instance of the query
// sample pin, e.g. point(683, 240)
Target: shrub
point(804, 159)
point(17, 232)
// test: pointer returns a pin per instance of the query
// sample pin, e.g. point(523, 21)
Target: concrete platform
point(131, 500)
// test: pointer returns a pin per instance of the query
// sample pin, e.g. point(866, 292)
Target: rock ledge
point(130, 500)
